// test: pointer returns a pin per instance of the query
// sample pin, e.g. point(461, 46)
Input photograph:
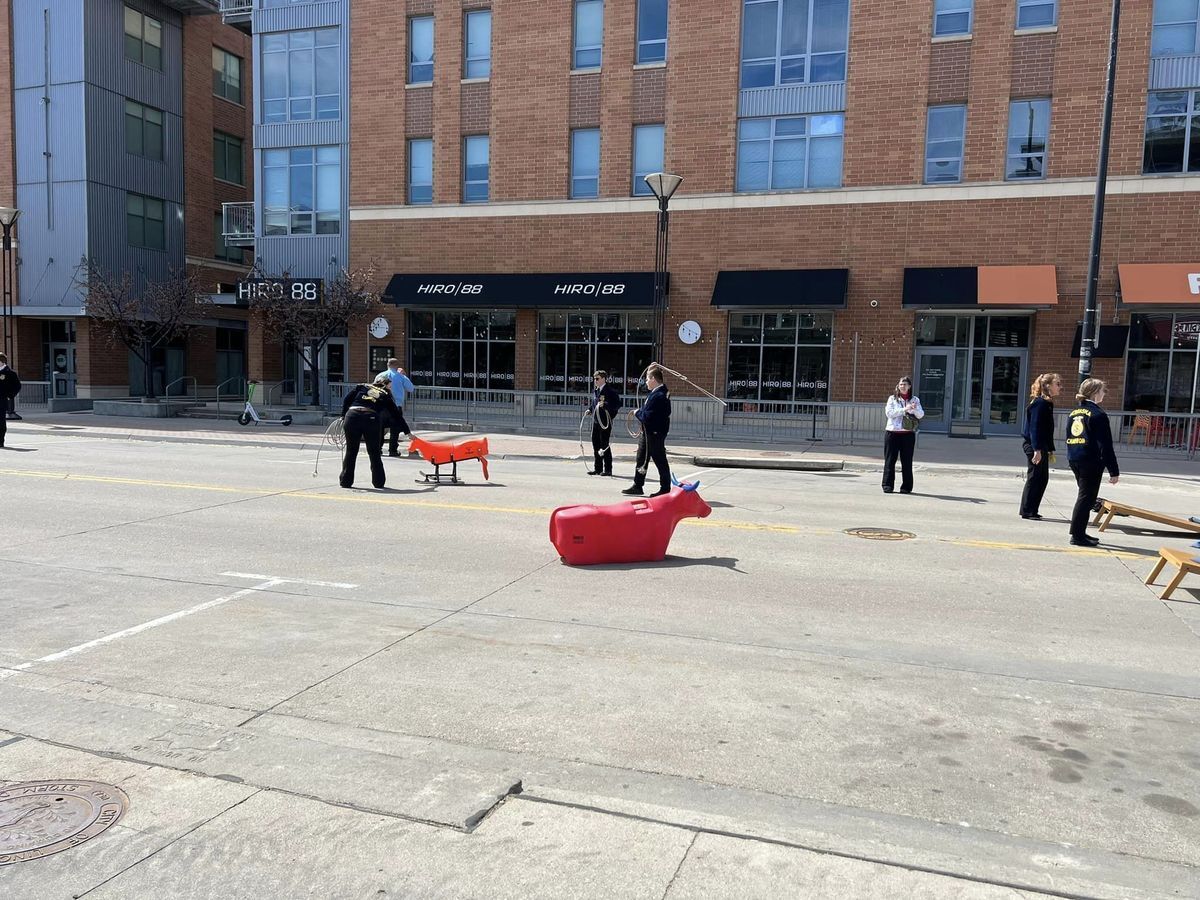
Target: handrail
point(180, 379)
point(280, 384)
point(233, 380)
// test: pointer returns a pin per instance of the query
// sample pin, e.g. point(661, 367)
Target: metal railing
point(237, 224)
point(182, 380)
point(34, 397)
point(272, 400)
point(236, 9)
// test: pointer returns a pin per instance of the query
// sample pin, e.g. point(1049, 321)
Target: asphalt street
point(313, 692)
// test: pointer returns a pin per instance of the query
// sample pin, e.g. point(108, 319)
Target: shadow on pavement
point(949, 497)
point(672, 562)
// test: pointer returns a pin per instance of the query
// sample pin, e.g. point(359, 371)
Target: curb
point(753, 462)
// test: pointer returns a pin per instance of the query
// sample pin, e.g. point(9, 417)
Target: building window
point(585, 163)
point(420, 50)
point(221, 250)
point(794, 41)
point(1028, 131)
point(143, 39)
point(790, 153)
point(465, 349)
point(952, 17)
point(227, 75)
point(144, 222)
point(1036, 13)
point(479, 44)
point(1162, 362)
point(1176, 28)
point(571, 346)
point(301, 76)
point(420, 171)
point(647, 156)
point(143, 130)
point(302, 191)
point(589, 33)
point(1172, 133)
point(652, 31)
point(779, 356)
point(227, 158)
point(475, 168)
point(944, 137)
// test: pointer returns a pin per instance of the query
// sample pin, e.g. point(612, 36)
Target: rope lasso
point(335, 434)
point(600, 414)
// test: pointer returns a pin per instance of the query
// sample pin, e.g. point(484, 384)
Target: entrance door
point(62, 368)
point(332, 367)
point(1003, 392)
point(932, 378)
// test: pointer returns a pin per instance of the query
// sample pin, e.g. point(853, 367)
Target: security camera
point(874, 303)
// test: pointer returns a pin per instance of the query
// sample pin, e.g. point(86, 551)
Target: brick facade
point(896, 70)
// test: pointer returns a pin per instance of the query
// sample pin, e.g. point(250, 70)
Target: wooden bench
point(1111, 508)
point(1184, 559)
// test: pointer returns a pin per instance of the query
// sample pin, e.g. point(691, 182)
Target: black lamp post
point(663, 187)
point(8, 218)
point(1087, 342)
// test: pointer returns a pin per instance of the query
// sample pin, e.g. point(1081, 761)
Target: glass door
point(933, 375)
point(62, 369)
point(331, 368)
point(1003, 391)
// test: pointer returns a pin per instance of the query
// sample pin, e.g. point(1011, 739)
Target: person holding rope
point(603, 409)
point(655, 417)
point(362, 411)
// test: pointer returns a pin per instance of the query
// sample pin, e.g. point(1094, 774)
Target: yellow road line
point(306, 494)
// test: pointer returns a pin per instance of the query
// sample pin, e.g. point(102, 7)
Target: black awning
point(1111, 344)
point(786, 288)
point(569, 290)
point(952, 286)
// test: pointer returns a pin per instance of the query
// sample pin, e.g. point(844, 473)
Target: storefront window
point(463, 349)
point(779, 356)
point(573, 345)
point(1162, 363)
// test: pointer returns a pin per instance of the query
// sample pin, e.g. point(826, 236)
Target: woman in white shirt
point(903, 412)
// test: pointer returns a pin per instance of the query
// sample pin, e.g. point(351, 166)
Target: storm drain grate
point(38, 818)
point(880, 534)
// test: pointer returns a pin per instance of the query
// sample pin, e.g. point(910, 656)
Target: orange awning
point(1018, 286)
point(1164, 284)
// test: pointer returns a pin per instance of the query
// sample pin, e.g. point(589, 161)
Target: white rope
point(335, 434)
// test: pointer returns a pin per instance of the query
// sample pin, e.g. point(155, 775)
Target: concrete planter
point(154, 409)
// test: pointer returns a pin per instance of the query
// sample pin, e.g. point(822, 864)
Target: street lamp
point(8, 218)
point(1086, 342)
point(663, 186)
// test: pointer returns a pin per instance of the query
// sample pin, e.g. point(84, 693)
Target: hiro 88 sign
point(297, 290)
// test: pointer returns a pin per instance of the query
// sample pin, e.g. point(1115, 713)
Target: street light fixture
point(663, 185)
point(8, 218)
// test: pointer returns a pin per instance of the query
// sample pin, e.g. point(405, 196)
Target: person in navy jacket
point(603, 409)
point(1090, 451)
point(655, 417)
point(1039, 441)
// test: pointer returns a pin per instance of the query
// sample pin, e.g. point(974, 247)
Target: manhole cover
point(880, 534)
point(38, 818)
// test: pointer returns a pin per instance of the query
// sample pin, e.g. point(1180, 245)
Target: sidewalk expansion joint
point(476, 819)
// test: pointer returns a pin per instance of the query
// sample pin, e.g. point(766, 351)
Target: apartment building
point(130, 128)
point(870, 190)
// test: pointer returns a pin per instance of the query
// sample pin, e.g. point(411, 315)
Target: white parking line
point(265, 583)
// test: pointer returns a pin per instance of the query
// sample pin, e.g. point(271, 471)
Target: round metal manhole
point(880, 534)
point(38, 818)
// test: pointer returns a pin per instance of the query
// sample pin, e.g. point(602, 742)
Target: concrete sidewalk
point(996, 455)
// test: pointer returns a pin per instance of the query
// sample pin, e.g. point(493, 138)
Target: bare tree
point(307, 327)
point(146, 318)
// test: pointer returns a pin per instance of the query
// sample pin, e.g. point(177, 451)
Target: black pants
point(396, 428)
point(360, 427)
point(898, 444)
point(652, 446)
point(1088, 477)
point(601, 449)
point(3, 419)
point(1037, 476)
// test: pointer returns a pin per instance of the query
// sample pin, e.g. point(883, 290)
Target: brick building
point(131, 126)
point(870, 190)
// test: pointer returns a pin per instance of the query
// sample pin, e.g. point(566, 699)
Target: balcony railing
point(237, 224)
point(236, 12)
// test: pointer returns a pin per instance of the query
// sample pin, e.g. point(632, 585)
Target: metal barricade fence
point(34, 397)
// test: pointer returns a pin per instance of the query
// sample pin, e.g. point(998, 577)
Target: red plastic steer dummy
point(441, 454)
point(632, 531)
